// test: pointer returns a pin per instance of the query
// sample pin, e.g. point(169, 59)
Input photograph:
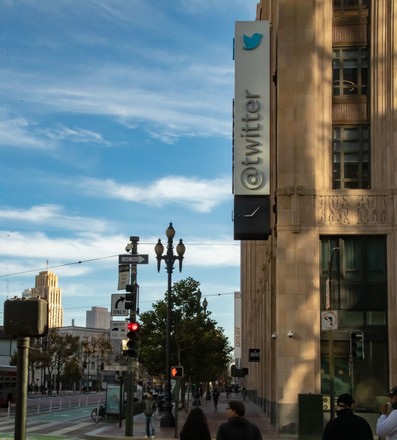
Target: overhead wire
point(146, 301)
point(101, 258)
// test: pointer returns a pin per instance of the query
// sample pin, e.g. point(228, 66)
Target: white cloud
point(197, 194)
point(77, 135)
point(18, 132)
point(52, 215)
point(74, 257)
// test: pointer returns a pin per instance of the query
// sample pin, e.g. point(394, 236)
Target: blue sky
point(115, 119)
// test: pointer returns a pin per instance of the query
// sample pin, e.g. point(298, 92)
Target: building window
point(350, 71)
point(359, 277)
point(351, 157)
point(344, 6)
point(359, 297)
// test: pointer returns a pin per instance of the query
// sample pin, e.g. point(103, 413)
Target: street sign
point(115, 368)
point(329, 320)
point(124, 276)
point(118, 305)
point(133, 259)
point(118, 329)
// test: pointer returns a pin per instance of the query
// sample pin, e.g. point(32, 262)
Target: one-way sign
point(133, 259)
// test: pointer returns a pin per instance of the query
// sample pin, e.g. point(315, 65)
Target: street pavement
point(254, 413)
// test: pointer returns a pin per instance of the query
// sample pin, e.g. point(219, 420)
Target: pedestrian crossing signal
point(176, 372)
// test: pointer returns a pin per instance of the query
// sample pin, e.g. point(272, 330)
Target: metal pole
point(129, 417)
point(168, 420)
point(121, 399)
point(176, 410)
point(331, 344)
point(23, 344)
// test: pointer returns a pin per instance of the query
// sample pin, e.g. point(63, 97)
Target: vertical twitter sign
point(251, 168)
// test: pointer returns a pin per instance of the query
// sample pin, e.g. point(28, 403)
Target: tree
point(58, 348)
point(35, 358)
point(72, 372)
point(97, 349)
point(197, 342)
point(59, 354)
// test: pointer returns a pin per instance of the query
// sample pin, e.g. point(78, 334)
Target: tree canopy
point(197, 342)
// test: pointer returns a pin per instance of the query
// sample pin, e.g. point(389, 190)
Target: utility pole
point(129, 383)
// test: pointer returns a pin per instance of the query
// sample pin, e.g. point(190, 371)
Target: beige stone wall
point(280, 278)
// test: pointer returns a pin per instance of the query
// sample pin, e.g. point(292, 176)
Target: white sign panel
point(118, 329)
point(115, 368)
point(118, 305)
point(251, 168)
point(124, 276)
point(329, 320)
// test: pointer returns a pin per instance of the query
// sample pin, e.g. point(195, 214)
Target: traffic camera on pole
point(133, 339)
point(357, 344)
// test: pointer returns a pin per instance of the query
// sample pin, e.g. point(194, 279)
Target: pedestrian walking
point(215, 396)
point(237, 426)
point(149, 408)
point(386, 426)
point(347, 425)
point(195, 426)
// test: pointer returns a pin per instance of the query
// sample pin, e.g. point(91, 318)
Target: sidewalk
point(112, 431)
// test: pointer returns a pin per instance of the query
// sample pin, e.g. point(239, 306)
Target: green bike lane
point(56, 425)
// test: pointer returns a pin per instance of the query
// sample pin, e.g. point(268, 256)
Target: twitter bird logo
point(252, 42)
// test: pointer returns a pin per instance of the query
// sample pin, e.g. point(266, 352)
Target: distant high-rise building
point(98, 317)
point(47, 287)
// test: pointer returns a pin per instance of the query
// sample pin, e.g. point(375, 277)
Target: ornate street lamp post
point(168, 420)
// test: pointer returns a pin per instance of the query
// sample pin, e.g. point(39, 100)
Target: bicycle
point(102, 414)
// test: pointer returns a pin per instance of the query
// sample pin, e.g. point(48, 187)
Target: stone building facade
point(46, 286)
point(333, 241)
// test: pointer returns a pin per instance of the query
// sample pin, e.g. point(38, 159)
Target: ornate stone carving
point(353, 210)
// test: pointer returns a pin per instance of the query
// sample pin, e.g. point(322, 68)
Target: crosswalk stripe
point(71, 428)
point(41, 426)
point(97, 431)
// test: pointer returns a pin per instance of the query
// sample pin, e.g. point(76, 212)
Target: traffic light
point(176, 372)
point(357, 344)
point(133, 339)
point(130, 298)
point(233, 371)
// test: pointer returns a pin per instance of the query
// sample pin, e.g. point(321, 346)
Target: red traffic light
point(133, 339)
point(133, 326)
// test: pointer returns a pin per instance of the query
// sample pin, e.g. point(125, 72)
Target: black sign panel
point(254, 355)
point(251, 217)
